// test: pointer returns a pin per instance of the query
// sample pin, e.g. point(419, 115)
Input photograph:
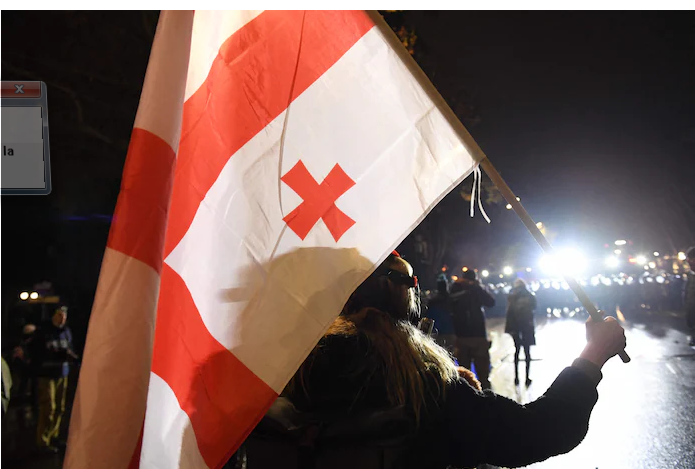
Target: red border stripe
point(140, 217)
point(223, 399)
point(259, 71)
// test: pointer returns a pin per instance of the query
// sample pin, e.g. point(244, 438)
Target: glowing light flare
point(641, 259)
point(34, 295)
point(612, 262)
point(485, 273)
point(507, 270)
point(652, 265)
point(620, 242)
point(508, 206)
point(681, 256)
point(24, 296)
point(566, 261)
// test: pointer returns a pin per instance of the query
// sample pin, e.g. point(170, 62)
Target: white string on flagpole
point(478, 181)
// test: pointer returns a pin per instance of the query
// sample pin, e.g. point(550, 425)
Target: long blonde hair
point(414, 368)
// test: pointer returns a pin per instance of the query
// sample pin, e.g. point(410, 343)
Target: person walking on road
point(520, 324)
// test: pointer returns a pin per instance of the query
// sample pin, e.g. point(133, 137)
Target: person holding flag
point(373, 360)
point(276, 159)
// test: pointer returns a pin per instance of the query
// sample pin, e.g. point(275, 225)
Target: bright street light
point(620, 242)
point(641, 260)
point(656, 254)
point(612, 262)
point(617, 251)
point(34, 295)
point(509, 206)
point(565, 261)
point(507, 270)
point(485, 273)
point(465, 269)
point(528, 269)
point(24, 296)
point(652, 265)
point(681, 256)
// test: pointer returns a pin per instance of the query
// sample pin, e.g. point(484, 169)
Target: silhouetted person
point(439, 310)
point(468, 299)
point(520, 324)
point(377, 393)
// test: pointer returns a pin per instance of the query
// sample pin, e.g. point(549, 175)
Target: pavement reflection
point(645, 416)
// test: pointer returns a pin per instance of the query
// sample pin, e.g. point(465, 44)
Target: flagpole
point(478, 155)
point(596, 315)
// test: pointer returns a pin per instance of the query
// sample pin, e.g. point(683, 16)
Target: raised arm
point(488, 428)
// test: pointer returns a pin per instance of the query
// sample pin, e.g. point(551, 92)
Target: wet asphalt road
point(645, 416)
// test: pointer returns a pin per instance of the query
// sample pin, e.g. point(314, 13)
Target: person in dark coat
point(53, 354)
point(468, 298)
point(373, 359)
point(520, 324)
point(439, 310)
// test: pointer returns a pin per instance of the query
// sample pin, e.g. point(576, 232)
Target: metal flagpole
point(478, 155)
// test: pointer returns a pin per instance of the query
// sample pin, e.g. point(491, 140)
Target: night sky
point(590, 117)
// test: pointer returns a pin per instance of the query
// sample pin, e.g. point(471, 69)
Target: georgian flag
point(277, 158)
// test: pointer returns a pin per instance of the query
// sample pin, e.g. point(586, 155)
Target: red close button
point(21, 89)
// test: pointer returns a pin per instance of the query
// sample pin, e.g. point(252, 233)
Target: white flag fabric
point(310, 146)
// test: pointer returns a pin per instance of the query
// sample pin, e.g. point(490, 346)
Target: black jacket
point(466, 428)
point(468, 300)
point(51, 349)
point(520, 306)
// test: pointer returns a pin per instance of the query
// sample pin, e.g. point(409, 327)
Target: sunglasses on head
point(399, 278)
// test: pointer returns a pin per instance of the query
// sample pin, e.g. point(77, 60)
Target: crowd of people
point(382, 389)
point(648, 292)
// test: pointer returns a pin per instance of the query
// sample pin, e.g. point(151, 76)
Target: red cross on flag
point(306, 146)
